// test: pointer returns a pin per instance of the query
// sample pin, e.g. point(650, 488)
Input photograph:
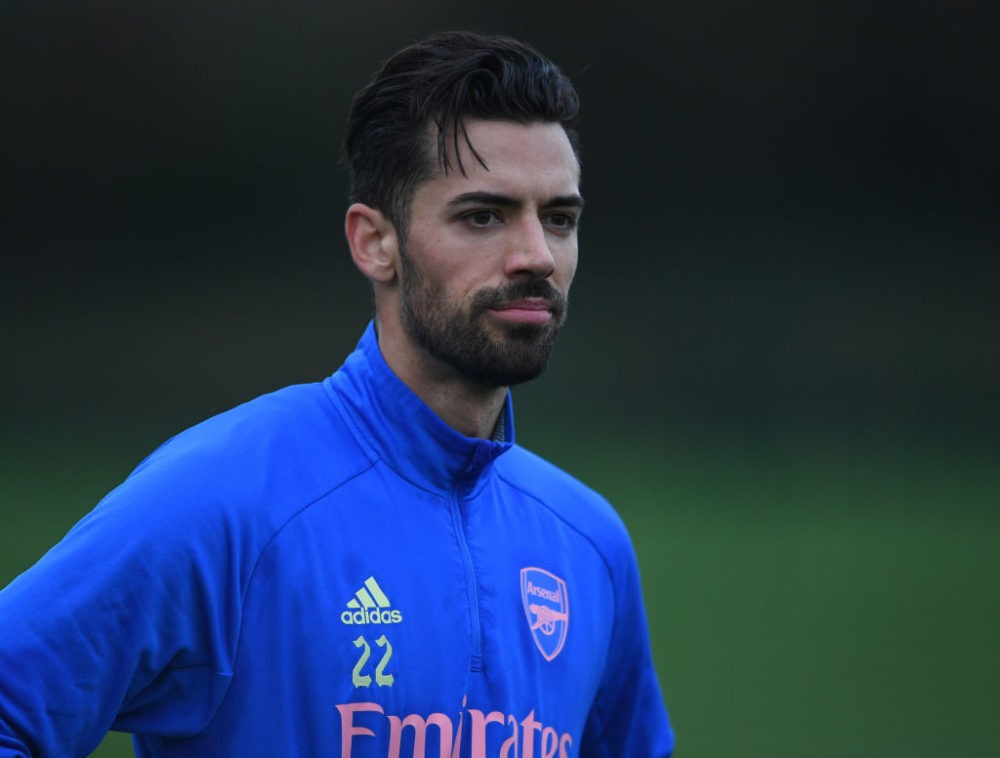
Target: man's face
point(489, 255)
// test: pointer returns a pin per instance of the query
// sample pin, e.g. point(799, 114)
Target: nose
point(530, 253)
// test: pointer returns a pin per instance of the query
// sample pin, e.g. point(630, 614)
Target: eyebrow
point(505, 201)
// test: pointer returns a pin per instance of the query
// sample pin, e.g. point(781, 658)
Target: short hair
point(445, 79)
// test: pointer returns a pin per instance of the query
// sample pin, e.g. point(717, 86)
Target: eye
point(481, 218)
point(562, 221)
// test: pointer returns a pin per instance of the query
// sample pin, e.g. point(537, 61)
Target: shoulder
point(295, 426)
point(567, 498)
point(259, 463)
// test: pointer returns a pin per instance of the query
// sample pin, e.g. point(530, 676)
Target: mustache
point(493, 297)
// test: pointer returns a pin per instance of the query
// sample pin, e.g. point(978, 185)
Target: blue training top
point(331, 570)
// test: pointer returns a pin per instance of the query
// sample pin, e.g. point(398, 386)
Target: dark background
point(782, 358)
point(791, 206)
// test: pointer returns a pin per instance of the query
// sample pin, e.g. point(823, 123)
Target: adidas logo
point(370, 606)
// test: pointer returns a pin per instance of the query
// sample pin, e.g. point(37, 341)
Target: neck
point(468, 407)
point(469, 410)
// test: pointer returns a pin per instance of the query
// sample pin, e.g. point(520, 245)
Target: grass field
point(808, 598)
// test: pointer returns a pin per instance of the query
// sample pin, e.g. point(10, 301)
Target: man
point(369, 566)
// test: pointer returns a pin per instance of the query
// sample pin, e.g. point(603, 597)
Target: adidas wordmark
point(370, 606)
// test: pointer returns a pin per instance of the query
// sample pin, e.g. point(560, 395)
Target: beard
point(488, 352)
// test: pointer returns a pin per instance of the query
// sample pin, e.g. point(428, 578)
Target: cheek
point(451, 279)
point(566, 267)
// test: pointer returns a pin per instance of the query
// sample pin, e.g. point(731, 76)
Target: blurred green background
point(782, 361)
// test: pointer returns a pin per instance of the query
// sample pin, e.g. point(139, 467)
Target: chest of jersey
point(387, 620)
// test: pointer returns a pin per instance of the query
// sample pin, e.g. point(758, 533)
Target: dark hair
point(444, 79)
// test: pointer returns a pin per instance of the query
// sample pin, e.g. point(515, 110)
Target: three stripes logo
point(370, 606)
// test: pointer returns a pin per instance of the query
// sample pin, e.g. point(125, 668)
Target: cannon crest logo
point(546, 606)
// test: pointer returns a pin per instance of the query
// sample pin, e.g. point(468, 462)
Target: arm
point(114, 628)
point(628, 718)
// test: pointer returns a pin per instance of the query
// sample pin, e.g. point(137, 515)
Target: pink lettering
point(479, 723)
point(510, 742)
point(347, 728)
point(530, 726)
point(554, 596)
point(550, 742)
point(419, 726)
point(458, 734)
point(520, 741)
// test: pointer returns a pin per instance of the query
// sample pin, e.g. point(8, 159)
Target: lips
point(528, 303)
point(525, 310)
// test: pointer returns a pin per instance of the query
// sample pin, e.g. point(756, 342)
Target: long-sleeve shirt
point(331, 570)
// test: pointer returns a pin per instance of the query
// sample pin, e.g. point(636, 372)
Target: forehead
point(516, 159)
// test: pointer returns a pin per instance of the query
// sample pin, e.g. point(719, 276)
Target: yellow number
point(382, 679)
point(359, 679)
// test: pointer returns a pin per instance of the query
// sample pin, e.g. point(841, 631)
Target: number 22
point(381, 678)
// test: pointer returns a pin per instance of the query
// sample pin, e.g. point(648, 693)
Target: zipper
point(471, 585)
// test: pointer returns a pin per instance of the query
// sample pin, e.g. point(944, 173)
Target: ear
point(373, 242)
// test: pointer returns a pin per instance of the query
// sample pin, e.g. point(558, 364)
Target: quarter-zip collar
point(400, 429)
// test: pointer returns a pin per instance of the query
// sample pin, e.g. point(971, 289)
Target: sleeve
point(128, 623)
point(628, 718)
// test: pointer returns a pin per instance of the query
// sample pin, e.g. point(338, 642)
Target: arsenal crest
point(546, 605)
